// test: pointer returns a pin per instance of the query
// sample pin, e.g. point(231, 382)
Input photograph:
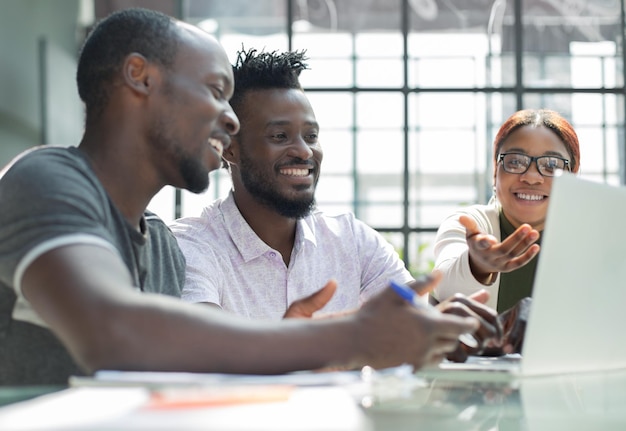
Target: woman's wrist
point(483, 277)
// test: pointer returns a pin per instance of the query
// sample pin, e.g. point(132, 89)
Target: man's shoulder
point(208, 222)
point(44, 157)
point(155, 223)
point(52, 176)
point(320, 216)
point(340, 222)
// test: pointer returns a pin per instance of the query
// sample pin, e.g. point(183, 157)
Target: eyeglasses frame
point(532, 159)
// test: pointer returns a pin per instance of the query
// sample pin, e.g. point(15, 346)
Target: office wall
point(23, 23)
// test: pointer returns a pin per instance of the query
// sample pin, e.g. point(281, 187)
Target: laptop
point(578, 315)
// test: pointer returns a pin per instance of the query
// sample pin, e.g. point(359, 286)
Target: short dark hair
point(135, 30)
point(255, 70)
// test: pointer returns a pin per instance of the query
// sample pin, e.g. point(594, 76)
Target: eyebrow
point(547, 153)
point(287, 123)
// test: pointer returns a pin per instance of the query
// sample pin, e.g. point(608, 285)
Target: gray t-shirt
point(51, 197)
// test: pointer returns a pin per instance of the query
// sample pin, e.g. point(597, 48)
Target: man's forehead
point(201, 44)
point(185, 27)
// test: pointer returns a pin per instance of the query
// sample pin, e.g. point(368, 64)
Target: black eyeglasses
point(548, 166)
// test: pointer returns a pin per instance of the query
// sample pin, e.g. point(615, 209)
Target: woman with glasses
point(495, 246)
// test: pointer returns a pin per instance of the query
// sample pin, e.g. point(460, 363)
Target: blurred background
point(409, 93)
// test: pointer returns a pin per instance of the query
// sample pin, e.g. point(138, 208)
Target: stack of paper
point(186, 401)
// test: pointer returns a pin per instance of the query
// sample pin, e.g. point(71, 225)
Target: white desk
point(409, 402)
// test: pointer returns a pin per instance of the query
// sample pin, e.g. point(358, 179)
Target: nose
point(230, 121)
point(532, 175)
point(301, 149)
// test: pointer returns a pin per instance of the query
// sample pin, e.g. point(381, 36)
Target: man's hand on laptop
point(490, 332)
point(513, 323)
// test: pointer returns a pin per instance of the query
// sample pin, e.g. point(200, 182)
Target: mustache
point(224, 138)
point(296, 161)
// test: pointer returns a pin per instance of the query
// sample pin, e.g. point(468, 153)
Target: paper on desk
point(74, 408)
point(156, 379)
point(114, 408)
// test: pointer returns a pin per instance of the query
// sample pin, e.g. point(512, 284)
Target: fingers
point(450, 349)
point(482, 296)
point(394, 331)
point(519, 241)
point(451, 325)
point(458, 355)
point(448, 346)
point(487, 255)
point(427, 283)
point(490, 328)
point(470, 225)
point(444, 338)
point(475, 238)
point(305, 307)
point(325, 294)
point(521, 260)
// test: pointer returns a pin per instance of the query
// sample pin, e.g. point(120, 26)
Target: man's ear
point(137, 73)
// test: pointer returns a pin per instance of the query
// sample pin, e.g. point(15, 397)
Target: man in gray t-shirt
point(62, 203)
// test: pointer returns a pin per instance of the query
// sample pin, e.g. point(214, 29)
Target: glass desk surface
point(445, 401)
point(473, 402)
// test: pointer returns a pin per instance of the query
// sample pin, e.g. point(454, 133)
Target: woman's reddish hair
point(537, 118)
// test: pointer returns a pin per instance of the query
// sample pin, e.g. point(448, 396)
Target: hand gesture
point(393, 331)
point(487, 256)
point(305, 307)
point(490, 333)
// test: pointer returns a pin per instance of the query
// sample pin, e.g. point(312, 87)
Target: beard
point(260, 185)
point(194, 174)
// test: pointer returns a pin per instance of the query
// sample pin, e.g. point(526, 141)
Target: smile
point(527, 197)
point(217, 145)
point(295, 172)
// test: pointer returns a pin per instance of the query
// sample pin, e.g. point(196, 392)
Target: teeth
point(295, 172)
point(530, 197)
point(217, 145)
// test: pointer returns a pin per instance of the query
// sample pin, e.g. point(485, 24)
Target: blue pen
point(409, 295)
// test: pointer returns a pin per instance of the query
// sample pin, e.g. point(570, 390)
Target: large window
point(409, 95)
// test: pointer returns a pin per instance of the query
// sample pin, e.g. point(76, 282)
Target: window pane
point(572, 44)
point(332, 110)
point(260, 17)
point(329, 67)
point(421, 254)
point(381, 214)
point(380, 152)
point(162, 204)
point(380, 73)
point(335, 189)
point(338, 152)
point(380, 110)
point(379, 60)
point(455, 44)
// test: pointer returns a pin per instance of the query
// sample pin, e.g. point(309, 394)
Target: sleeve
point(379, 261)
point(202, 273)
point(452, 257)
point(48, 199)
point(166, 268)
